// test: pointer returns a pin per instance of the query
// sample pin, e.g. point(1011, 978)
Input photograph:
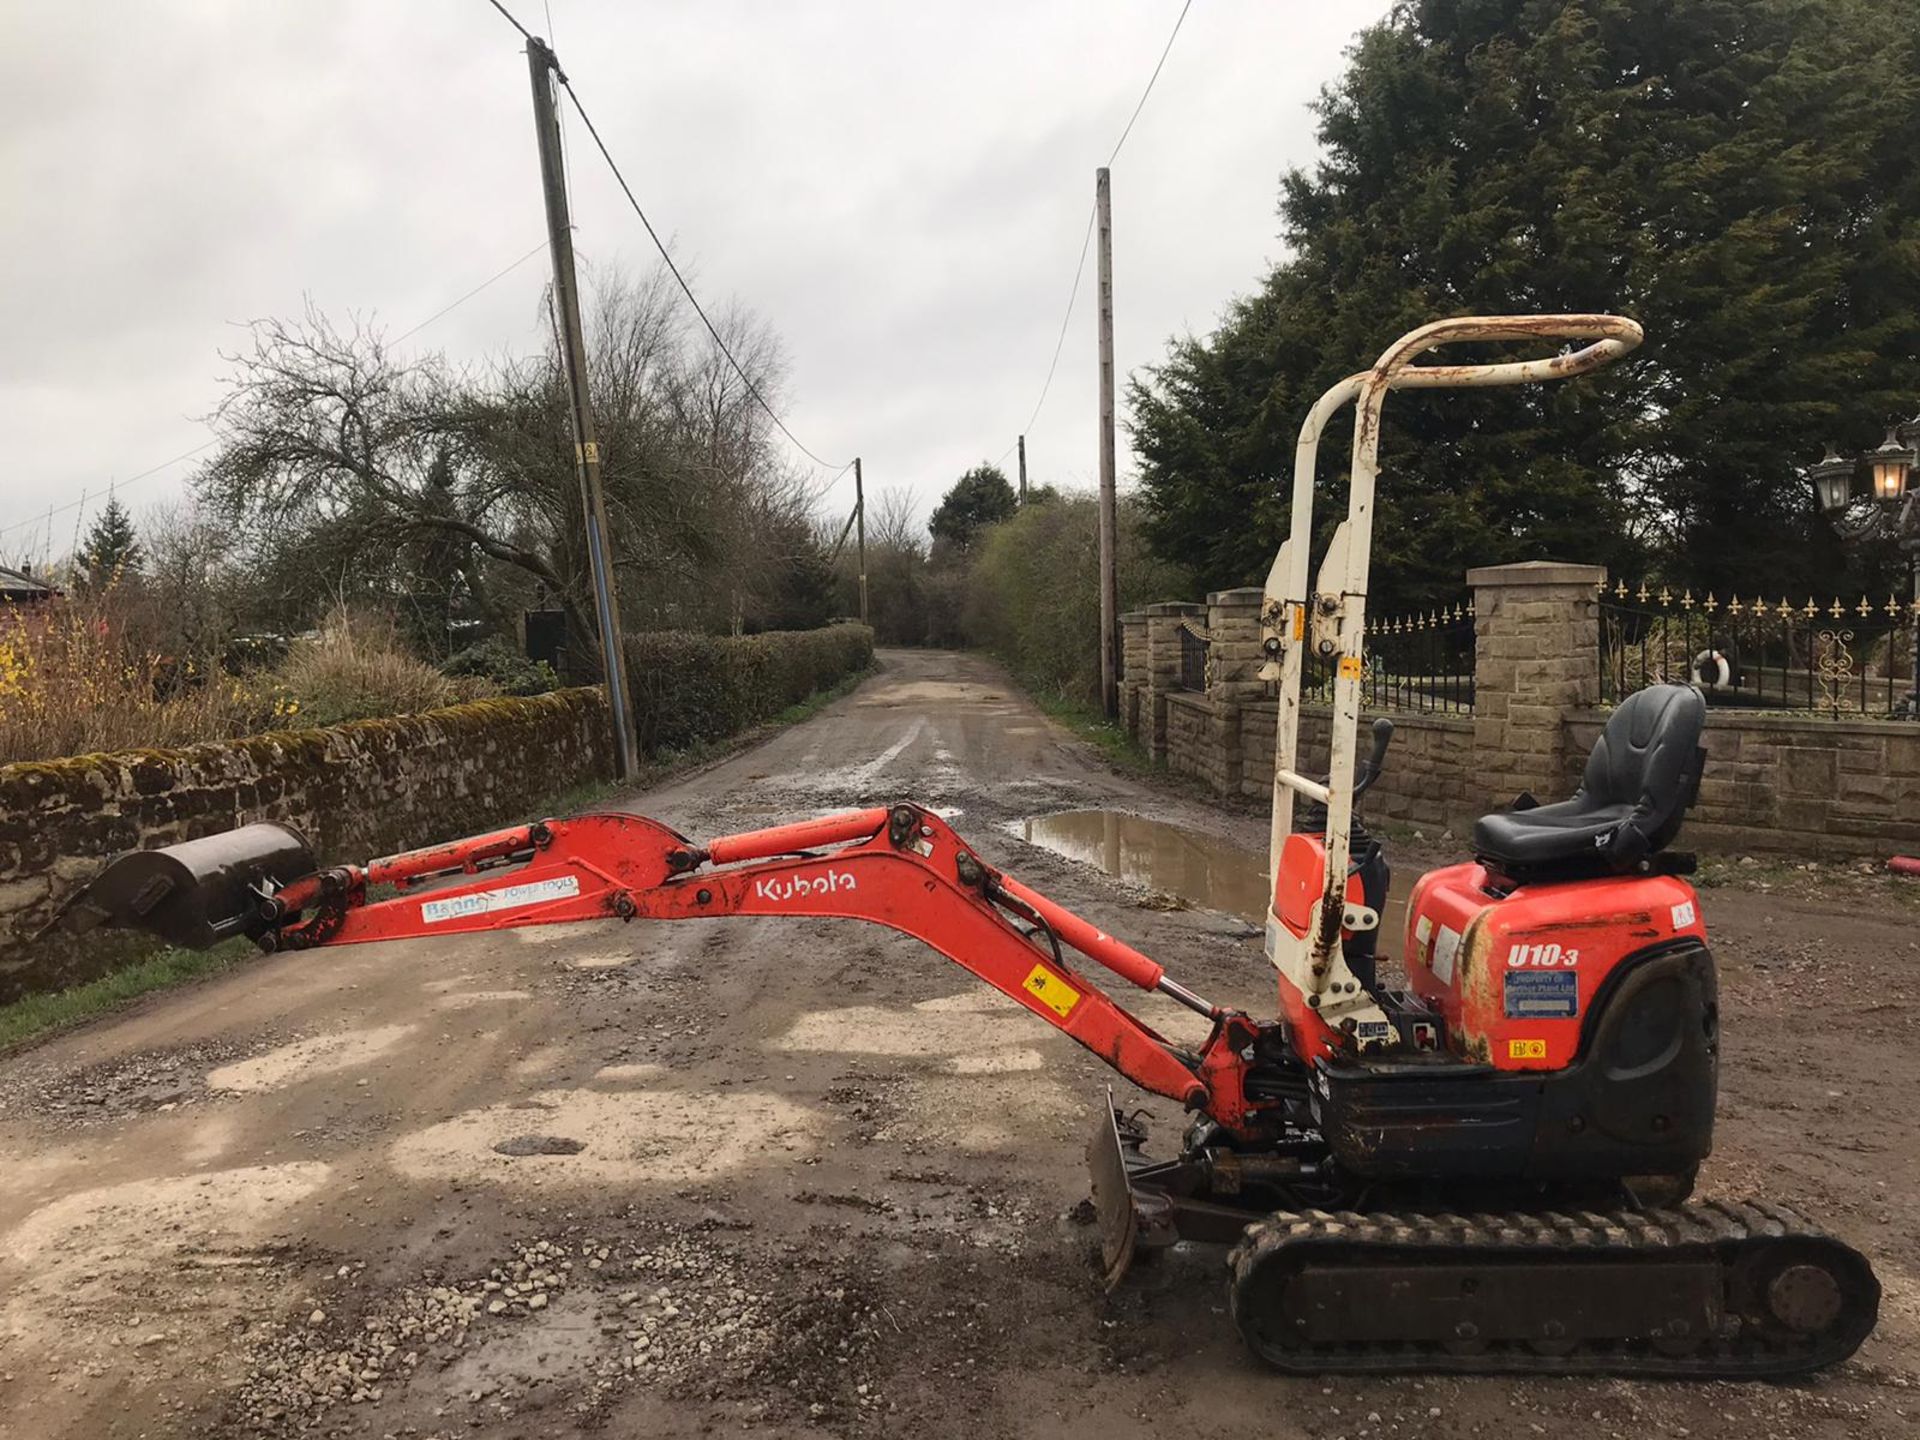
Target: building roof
point(19, 585)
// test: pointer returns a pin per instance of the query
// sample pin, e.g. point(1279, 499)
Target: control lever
point(1312, 816)
point(1371, 767)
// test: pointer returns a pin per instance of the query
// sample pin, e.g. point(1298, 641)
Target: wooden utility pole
point(1023, 469)
point(542, 67)
point(860, 533)
point(1109, 587)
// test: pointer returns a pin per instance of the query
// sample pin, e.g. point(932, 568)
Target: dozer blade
point(1112, 1197)
point(1706, 1291)
point(194, 894)
point(1135, 1213)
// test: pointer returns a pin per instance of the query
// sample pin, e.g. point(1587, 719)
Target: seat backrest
point(1649, 757)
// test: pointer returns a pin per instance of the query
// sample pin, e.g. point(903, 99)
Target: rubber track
point(1729, 1232)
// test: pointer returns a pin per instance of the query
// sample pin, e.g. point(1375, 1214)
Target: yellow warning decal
point(1350, 667)
point(1526, 1049)
point(1054, 993)
point(1299, 622)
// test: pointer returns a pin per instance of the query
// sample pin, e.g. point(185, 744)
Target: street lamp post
point(1892, 511)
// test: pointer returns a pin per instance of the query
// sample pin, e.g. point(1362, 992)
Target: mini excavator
point(1485, 1170)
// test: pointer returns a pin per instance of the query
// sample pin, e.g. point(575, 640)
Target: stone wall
point(1194, 741)
point(1428, 780)
point(1800, 784)
point(1536, 644)
point(359, 790)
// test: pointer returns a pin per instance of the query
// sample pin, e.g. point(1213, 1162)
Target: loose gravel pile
point(692, 1311)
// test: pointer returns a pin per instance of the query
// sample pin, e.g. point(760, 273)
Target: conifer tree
point(1741, 176)
point(111, 549)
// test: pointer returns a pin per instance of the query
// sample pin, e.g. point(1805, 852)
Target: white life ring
point(1710, 668)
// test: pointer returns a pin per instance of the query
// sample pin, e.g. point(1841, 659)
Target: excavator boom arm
point(902, 867)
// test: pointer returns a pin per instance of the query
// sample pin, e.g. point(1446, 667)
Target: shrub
point(1033, 591)
point(497, 662)
point(75, 678)
point(355, 668)
point(689, 687)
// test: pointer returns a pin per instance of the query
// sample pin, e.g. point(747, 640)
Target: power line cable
point(525, 34)
point(497, 275)
point(681, 280)
point(1167, 50)
point(829, 482)
point(1086, 243)
point(665, 255)
point(1073, 296)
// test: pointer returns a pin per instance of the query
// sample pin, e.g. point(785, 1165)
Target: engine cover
point(1515, 976)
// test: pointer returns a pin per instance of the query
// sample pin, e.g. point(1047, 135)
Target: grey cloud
point(900, 189)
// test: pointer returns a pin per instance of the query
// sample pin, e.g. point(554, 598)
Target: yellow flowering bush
point(75, 678)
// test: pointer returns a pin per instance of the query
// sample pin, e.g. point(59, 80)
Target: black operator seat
point(1642, 775)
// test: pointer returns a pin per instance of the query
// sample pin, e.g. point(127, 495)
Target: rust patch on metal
point(1476, 980)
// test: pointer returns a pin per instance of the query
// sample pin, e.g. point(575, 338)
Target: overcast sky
point(899, 188)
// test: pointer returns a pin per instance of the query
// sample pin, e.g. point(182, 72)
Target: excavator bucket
point(194, 894)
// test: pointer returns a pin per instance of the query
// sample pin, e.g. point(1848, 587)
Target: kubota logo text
point(797, 887)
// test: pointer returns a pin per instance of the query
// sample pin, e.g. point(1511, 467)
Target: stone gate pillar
point(1163, 668)
point(1133, 672)
point(1536, 657)
point(1234, 659)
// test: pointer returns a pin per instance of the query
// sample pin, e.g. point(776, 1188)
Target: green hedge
point(689, 687)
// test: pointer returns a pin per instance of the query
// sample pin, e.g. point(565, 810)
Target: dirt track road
point(790, 1178)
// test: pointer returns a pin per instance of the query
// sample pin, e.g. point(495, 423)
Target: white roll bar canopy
point(1334, 619)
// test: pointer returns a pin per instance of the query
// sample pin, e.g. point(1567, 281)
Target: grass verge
point(1857, 885)
point(35, 1016)
point(1109, 737)
point(38, 1017)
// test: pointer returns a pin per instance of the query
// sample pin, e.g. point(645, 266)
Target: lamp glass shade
point(1833, 482)
point(1892, 465)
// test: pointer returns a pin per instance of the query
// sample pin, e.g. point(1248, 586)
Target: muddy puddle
point(1201, 869)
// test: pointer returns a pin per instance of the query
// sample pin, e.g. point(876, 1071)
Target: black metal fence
point(1836, 658)
point(1420, 663)
point(1194, 649)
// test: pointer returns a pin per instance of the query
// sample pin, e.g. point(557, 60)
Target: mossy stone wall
point(358, 790)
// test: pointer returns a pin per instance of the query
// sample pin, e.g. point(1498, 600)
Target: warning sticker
point(1444, 949)
point(1542, 994)
point(507, 897)
point(1350, 667)
point(1526, 1049)
point(1054, 993)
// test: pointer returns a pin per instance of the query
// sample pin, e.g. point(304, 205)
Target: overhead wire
point(681, 280)
point(497, 275)
point(1073, 295)
point(825, 485)
point(1086, 243)
point(666, 256)
point(1159, 65)
point(525, 34)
